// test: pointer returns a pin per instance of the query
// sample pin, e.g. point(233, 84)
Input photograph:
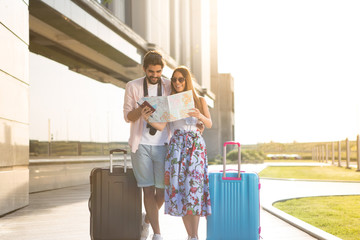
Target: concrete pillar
point(339, 154)
point(333, 154)
point(347, 153)
point(327, 153)
point(358, 153)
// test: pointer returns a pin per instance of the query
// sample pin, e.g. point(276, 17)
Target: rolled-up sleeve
point(129, 101)
point(133, 92)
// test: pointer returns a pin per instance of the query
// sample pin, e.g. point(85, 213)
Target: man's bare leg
point(153, 200)
point(159, 197)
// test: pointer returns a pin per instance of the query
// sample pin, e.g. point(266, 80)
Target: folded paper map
point(170, 108)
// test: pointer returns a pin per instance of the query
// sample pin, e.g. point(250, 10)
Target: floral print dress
point(186, 171)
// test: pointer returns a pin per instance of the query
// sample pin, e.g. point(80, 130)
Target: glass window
point(76, 114)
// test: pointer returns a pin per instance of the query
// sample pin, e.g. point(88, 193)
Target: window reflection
point(71, 114)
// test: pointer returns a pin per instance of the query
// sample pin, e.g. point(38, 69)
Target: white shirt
point(161, 137)
point(187, 124)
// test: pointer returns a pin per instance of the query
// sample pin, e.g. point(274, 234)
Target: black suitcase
point(115, 203)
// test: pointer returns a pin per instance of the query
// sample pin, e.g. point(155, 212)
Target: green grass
point(338, 215)
point(313, 173)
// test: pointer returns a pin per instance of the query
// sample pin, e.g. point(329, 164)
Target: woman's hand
point(194, 112)
point(204, 117)
point(200, 126)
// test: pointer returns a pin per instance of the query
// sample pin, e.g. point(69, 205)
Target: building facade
point(103, 41)
point(14, 105)
point(222, 115)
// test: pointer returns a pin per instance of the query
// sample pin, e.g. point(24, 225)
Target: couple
point(178, 165)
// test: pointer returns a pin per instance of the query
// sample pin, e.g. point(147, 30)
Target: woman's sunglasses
point(181, 79)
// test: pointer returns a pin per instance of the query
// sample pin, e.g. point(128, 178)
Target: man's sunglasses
point(181, 79)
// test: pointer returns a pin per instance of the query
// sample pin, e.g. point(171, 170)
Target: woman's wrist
point(201, 117)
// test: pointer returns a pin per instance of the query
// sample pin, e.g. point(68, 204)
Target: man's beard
point(151, 82)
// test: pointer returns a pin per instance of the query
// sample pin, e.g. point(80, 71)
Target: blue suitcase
point(235, 204)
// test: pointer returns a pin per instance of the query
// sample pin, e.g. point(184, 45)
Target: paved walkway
point(63, 214)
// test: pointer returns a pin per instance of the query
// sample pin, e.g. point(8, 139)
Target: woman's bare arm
point(205, 118)
point(146, 113)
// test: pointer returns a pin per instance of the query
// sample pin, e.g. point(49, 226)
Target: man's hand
point(135, 114)
point(146, 113)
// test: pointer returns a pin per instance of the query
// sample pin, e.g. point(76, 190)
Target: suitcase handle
point(231, 143)
point(224, 159)
point(111, 161)
point(118, 150)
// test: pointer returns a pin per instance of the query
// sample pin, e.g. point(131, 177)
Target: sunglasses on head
point(181, 79)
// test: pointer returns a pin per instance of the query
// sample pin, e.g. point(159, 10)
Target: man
point(148, 146)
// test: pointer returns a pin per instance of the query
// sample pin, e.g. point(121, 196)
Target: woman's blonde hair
point(188, 86)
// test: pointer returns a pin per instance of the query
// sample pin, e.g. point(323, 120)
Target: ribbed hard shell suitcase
point(115, 203)
point(235, 204)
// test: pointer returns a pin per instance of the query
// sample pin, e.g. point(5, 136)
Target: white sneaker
point(145, 228)
point(157, 237)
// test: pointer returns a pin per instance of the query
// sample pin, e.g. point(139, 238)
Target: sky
point(296, 68)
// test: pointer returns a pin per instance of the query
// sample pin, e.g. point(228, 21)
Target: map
point(170, 108)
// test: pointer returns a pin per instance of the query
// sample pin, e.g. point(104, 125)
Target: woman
point(186, 173)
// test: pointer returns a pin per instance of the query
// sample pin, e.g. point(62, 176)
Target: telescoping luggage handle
point(224, 161)
point(111, 161)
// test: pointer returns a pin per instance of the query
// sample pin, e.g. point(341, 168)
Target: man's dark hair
point(153, 58)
